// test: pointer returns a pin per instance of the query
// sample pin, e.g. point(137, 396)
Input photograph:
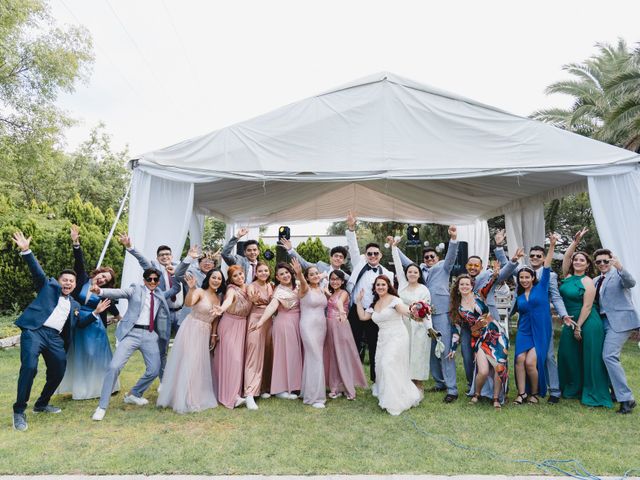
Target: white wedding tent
point(387, 148)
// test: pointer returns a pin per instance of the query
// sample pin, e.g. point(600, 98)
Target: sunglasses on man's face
point(152, 279)
point(535, 255)
point(373, 254)
point(429, 257)
point(602, 262)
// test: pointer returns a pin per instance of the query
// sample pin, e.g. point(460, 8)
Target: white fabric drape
point(525, 227)
point(159, 214)
point(196, 229)
point(477, 236)
point(615, 201)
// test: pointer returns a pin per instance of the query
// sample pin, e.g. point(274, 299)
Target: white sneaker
point(239, 401)
point(98, 414)
point(265, 395)
point(251, 403)
point(318, 405)
point(284, 395)
point(133, 400)
point(292, 396)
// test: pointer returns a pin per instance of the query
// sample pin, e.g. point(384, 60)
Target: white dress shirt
point(143, 319)
point(366, 283)
point(59, 316)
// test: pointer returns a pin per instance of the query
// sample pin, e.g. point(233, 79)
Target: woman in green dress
point(581, 369)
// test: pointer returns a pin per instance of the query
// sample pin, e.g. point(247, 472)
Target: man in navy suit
point(46, 326)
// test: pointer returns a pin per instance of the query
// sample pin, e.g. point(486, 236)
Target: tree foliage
point(313, 250)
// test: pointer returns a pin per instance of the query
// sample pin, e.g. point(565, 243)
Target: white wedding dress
point(393, 388)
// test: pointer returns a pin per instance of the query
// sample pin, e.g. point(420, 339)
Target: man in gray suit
point(536, 262)
point(337, 257)
point(620, 318)
point(436, 275)
point(250, 259)
point(145, 325)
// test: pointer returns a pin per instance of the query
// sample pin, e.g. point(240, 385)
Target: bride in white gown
point(393, 388)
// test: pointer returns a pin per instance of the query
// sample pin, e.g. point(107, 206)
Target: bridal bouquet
point(420, 310)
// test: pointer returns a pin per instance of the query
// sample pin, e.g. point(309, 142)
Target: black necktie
point(598, 285)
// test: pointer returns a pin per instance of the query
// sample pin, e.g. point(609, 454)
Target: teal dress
point(581, 369)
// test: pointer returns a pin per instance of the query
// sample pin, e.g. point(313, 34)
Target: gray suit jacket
point(437, 277)
point(554, 293)
point(135, 294)
point(616, 303)
point(323, 267)
point(146, 263)
point(235, 259)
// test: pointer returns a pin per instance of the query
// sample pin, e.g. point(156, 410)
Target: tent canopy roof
point(387, 147)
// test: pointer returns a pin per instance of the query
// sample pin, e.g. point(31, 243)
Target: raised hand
point(351, 220)
point(171, 269)
point(194, 252)
point(296, 266)
point(74, 233)
point(102, 306)
point(360, 296)
point(518, 255)
point(453, 232)
point(615, 262)
point(94, 287)
point(553, 239)
point(499, 237)
point(216, 255)
point(286, 243)
point(242, 232)
point(21, 241)
point(191, 280)
point(579, 234)
point(125, 240)
point(495, 267)
point(390, 240)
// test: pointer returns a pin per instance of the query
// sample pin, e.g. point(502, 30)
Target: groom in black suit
point(46, 326)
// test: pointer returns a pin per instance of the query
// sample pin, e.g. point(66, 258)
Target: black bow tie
point(369, 267)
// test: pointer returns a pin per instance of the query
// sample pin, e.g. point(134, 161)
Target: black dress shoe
point(553, 399)
point(627, 407)
point(450, 398)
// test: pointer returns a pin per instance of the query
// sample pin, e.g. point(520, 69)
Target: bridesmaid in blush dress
point(187, 384)
point(313, 330)
point(343, 368)
point(286, 376)
point(228, 359)
point(260, 292)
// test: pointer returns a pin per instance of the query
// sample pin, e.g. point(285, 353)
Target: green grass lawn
point(286, 437)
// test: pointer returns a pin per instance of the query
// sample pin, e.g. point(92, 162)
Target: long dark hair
point(289, 268)
point(420, 277)
point(108, 270)
point(455, 298)
point(390, 289)
point(340, 275)
point(589, 270)
point(534, 281)
point(222, 289)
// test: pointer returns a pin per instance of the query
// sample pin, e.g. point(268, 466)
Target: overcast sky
point(169, 70)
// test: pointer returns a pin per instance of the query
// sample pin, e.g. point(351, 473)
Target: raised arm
point(484, 291)
point(228, 256)
point(626, 279)
point(37, 273)
point(78, 258)
point(509, 269)
point(352, 240)
point(304, 286)
point(180, 272)
point(194, 294)
point(293, 254)
point(143, 261)
point(113, 293)
point(568, 254)
point(499, 252)
point(452, 251)
point(395, 253)
point(362, 314)
point(548, 260)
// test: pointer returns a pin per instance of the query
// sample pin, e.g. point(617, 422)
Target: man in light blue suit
point(337, 257)
point(620, 318)
point(250, 259)
point(436, 275)
point(536, 261)
point(145, 327)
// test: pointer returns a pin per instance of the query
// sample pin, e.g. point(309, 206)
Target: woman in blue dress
point(534, 330)
point(90, 352)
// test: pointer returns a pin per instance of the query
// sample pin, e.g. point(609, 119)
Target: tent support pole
point(115, 222)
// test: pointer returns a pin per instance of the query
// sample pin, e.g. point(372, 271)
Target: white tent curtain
point(615, 201)
point(477, 236)
point(525, 226)
point(160, 213)
point(196, 229)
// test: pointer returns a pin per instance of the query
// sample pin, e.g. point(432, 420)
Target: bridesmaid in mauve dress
point(313, 330)
point(286, 376)
point(343, 368)
point(187, 384)
point(260, 292)
point(228, 359)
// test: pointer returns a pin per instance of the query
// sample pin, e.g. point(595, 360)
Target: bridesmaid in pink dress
point(342, 363)
point(260, 292)
point(313, 329)
point(228, 359)
point(286, 376)
point(187, 384)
